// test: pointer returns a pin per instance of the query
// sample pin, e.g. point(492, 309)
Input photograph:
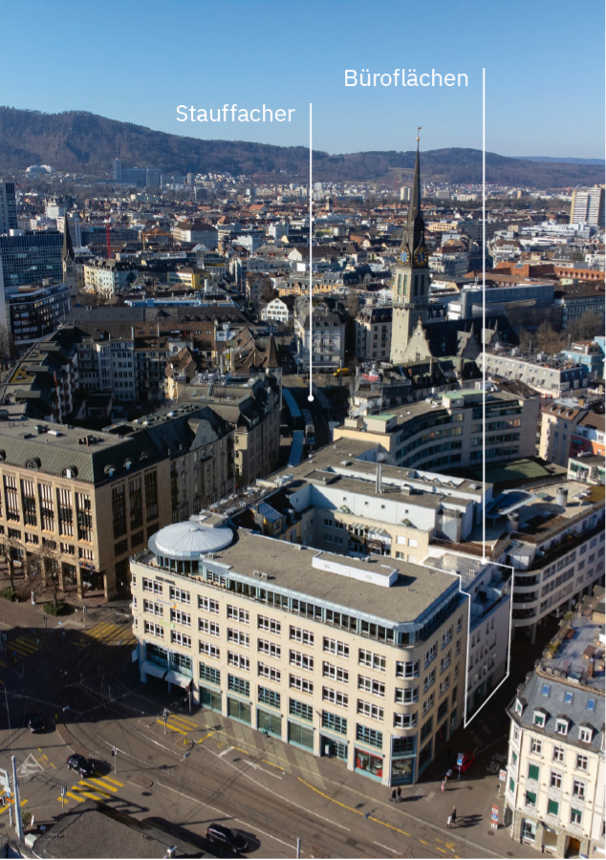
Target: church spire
point(68, 248)
point(414, 232)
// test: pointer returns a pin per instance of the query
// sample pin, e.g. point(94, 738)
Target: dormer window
point(568, 697)
point(545, 689)
point(585, 734)
point(561, 726)
point(538, 719)
point(519, 707)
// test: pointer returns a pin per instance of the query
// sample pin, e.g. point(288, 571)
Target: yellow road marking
point(101, 783)
point(439, 840)
point(183, 721)
point(440, 849)
point(73, 796)
point(96, 788)
point(210, 734)
point(241, 750)
point(173, 728)
point(424, 842)
point(111, 779)
point(271, 764)
point(351, 809)
point(90, 795)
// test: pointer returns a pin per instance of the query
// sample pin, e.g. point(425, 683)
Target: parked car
point(81, 765)
point(34, 722)
point(222, 835)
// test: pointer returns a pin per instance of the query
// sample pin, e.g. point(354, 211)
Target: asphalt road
point(202, 767)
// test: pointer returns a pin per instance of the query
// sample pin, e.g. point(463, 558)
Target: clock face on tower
point(421, 256)
point(404, 256)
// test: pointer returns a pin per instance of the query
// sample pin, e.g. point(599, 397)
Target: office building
point(36, 310)
point(587, 206)
point(8, 207)
point(355, 659)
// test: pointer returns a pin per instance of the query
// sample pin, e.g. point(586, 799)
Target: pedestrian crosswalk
point(22, 647)
point(109, 633)
point(93, 788)
point(181, 725)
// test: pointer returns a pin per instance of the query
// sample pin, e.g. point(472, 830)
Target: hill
point(82, 142)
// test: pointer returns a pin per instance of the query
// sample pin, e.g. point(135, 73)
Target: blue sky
point(137, 61)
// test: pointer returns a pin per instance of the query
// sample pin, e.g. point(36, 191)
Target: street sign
point(502, 775)
point(460, 760)
point(494, 815)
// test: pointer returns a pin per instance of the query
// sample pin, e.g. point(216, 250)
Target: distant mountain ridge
point(564, 160)
point(81, 142)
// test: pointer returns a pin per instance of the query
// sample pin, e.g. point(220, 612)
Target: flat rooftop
point(289, 566)
point(572, 659)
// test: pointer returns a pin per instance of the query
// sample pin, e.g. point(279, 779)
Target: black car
point(81, 765)
point(34, 722)
point(226, 836)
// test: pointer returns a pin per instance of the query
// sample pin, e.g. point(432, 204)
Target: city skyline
point(286, 60)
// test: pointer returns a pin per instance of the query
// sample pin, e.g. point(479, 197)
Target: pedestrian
point(449, 822)
point(399, 793)
point(453, 814)
point(393, 795)
point(443, 785)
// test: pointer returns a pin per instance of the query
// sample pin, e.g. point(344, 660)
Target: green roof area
point(517, 470)
point(382, 417)
point(459, 395)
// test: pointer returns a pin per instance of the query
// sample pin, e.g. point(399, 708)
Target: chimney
point(562, 497)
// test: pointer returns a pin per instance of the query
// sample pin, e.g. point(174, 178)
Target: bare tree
point(548, 340)
point(9, 547)
point(7, 346)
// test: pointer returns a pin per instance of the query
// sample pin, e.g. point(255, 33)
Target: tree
point(9, 547)
point(7, 346)
point(548, 340)
point(353, 303)
point(590, 325)
point(527, 339)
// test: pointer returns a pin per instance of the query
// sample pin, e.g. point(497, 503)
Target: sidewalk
point(309, 779)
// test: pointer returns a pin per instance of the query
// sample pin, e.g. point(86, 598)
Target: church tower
point(410, 291)
point(69, 261)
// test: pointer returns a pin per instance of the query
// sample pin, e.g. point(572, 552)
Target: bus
point(310, 430)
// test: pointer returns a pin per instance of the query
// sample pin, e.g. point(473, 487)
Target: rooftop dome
point(189, 540)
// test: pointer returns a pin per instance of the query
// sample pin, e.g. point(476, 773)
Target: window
point(237, 614)
point(269, 624)
point(512, 785)
point(405, 721)
point(429, 681)
point(444, 685)
point(545, 689)
point(407, 670)
point(300, 710)
point(370, 710)
point(446, 637)
point(568, 697)
point(431, 654)
point(300, 684)
point(269, 672)
point(207, 673)
point(407, 696)
point(334, 696)
point(210, 627)
point(536, 746)
point(585, 735)
point(561, 727)
point(533, 771)
point(335, 647)
point(335, 672)
point(154, 629)
point(238, 660)
point(552, 807)
point(514, 758)
point(369, 736)
point(558, 753)
point(426, 728)
point(118, 510)
point(179, 595)
point(238, 637)
point(334, 723)
point(575, 816)
point(591, 704)
point(153, 608)
point(531, 798)
point(445, 662)
point(302, 661)
point(555, 780)
point(428, 704)
point(269, 697)
point(538, 719)
point(306, 637)
point(208, 649)
point(208, 605)
point(238, 685)
point(369, 685)
point(373, 661)
point(578, 789)
point(180, 617)
point(582, 762)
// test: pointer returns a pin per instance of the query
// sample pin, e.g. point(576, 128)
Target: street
point(193, 769)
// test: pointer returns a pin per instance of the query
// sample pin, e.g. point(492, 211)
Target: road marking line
point(184, 721)
point(440, 849)
point(172, 728)
point(210, 734)
point(73, 796)
point(423, 841)
point(271, 764)
point(239, 750)
point(90, 795)
point(229, 749)
point(96, 788)
point(115, 781)
point(387, 848)
point(102, 784)
point(390, 826)
point(351, 809)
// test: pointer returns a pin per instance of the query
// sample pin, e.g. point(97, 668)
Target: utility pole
point(298, 854)
point(17, 801)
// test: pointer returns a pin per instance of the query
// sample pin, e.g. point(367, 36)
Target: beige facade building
point(361, 660)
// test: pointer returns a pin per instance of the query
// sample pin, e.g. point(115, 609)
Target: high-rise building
point(117, 169)
point(587, 206)
point(410, 290)
point(8, 207)
point(27, 258)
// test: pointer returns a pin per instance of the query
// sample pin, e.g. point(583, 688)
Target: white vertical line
point(310, 396)
point(484, 311)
